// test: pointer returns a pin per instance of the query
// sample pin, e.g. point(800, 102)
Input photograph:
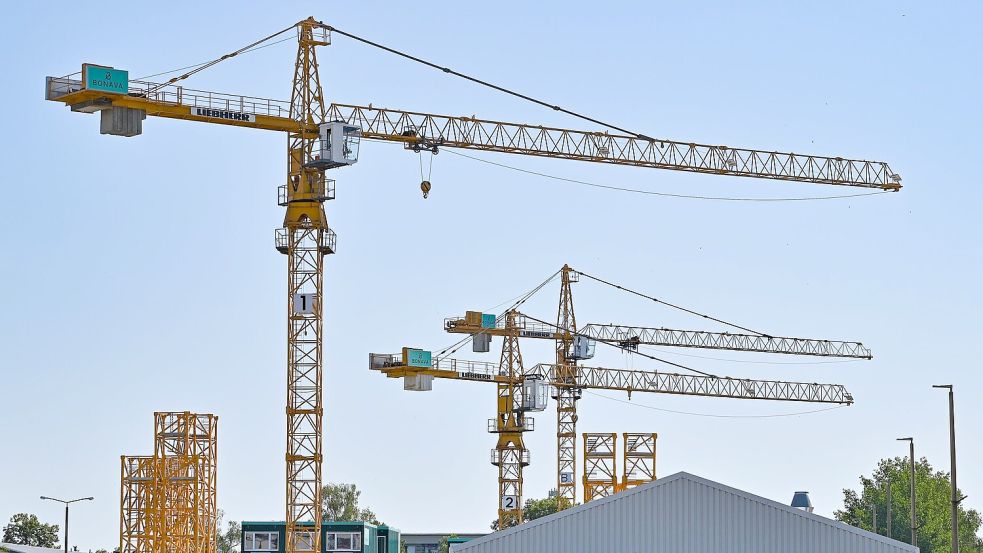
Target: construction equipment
point(601, 458)
point(167, 500)
point(600, 465)
point(322, 137)
point(568, 379)
point(574, 346)
point(638, 465)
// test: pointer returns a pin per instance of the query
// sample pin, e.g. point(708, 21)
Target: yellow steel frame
point(600, 464)
point(308, 240)
point(510, 454)
point(167, 500)
point(638, 466)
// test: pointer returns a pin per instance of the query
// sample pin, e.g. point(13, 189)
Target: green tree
point(227, 540)
point(537, 508)
point(444, 546)
point(931, 504)
point(340, 503)
point(25, 529)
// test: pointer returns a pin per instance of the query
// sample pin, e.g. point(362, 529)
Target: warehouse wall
point(684, 514)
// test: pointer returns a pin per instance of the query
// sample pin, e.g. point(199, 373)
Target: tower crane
point(323, 136)
point(567, 378)
point(573, 345)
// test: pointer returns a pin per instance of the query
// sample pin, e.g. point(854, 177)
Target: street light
point(954, 494)
point(67, 503)
point(914, 524)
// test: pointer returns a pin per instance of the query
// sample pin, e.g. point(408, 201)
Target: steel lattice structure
point(510, 454)
point(600, 464)
point(600, 378)
point(567, 393)
point(639, 459)
point(517, 138)
point(138, 520)
point(631, 336)
point(168, 500)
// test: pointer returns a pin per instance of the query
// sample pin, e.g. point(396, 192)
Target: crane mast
point(567, 394)
point(510, 454)
point(305, 239)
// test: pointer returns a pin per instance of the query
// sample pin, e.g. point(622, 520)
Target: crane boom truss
point(416, 128)
point(601, 147)
point(621, 334)
point(599, 378)
point(602, 378)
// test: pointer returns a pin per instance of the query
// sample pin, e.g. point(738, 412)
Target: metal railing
point(328, 245)
point(180, 96)
point(528, 424)
point(323, 192)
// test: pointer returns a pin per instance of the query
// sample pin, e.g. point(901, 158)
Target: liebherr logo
point(474, 376)
point(223, 114)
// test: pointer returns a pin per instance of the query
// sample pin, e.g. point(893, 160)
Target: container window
point(261, 541)
point(343, 541)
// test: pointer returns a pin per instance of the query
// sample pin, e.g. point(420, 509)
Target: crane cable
point(451, 349)
point(663, 194)
point(192, 66)
point(487, 84)
point(623, 348)
point(667, 304)
point(206, 65)
point(712, 415)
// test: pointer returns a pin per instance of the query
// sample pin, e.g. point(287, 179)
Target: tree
point(931, 504)
point(227, 541)
point(25, 529)
point(444, 546)
point(537, 508)
point(340, 503)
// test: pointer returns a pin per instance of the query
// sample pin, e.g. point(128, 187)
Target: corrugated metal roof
point(684, 513)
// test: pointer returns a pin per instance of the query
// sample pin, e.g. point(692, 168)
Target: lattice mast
point(305, 238)
point(186, 448)
point(600, 465)
point(138, 517)
point(167, 500)
point(510, 453)
point(567, 394)
point(638, 466)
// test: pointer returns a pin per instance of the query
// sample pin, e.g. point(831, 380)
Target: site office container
point(336, 537)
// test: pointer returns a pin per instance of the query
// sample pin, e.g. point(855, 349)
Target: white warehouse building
point(683, 513)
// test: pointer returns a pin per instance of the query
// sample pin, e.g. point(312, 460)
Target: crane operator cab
point(337, 145)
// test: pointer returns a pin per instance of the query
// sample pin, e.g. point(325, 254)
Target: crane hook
point(425, 187)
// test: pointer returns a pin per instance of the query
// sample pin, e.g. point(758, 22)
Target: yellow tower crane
point(573, 345)
point(322, 136)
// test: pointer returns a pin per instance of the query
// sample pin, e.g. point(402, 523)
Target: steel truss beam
point(627, 336)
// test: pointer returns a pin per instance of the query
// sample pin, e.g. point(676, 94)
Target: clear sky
point(140, 275)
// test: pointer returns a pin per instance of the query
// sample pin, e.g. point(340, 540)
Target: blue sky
point(140, 274)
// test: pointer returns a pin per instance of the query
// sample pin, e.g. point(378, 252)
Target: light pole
point(954, 494)
point(911, 478)
point(67, 503)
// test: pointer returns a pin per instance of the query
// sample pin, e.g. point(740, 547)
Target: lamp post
point(954, 494)
point(911, 478)
point(67, 503)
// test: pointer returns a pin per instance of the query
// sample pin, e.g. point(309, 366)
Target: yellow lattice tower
point(510, 454)
point(188, 442)
point(137, 524)
point(600, 465)
point(639, 459)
